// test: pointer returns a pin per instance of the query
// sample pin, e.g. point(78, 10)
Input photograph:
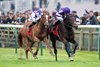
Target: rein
point(65, 24)
point(68, 25)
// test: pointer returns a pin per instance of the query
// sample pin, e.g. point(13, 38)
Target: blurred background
point(51, 5)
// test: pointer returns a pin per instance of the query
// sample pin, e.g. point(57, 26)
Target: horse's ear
point(44, 9)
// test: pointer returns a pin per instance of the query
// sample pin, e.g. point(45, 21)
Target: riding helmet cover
point(64, 10)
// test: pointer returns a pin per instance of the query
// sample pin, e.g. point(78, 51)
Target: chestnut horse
point(38, 33)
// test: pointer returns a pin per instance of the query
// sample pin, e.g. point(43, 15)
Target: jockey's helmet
point(39, 11)
point(64, 10)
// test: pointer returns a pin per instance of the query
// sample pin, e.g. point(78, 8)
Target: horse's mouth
point(46, 26)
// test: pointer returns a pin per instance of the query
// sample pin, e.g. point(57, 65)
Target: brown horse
point(38, 33)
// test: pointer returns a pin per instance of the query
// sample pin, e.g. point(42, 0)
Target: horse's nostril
point(46, 23)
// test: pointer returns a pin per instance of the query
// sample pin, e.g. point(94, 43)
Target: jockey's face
point(91, 14)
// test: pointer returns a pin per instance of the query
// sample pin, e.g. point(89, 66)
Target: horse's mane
point(69, 21)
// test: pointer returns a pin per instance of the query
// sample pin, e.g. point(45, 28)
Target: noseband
point(67, 21)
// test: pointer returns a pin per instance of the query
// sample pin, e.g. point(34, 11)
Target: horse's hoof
point(35, 53)
point(20, 58)
point(51, 53)
point(71, 59)
point(35, 57)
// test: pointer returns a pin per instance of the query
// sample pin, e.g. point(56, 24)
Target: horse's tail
point(20, 39)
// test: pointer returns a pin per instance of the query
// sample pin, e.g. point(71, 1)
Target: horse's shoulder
point(23, 29)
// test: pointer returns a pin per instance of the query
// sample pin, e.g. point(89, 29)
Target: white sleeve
point(32, 17)
point(59, 17)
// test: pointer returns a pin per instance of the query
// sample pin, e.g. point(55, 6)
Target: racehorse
point(65, 34)
point(38, 33)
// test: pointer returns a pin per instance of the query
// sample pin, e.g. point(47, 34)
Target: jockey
point(35, 16)
point(33, 19)
point(61, 14)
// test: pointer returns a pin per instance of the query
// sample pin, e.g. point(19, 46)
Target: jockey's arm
point(59, 17)
point(37, 18)
point(28, 22)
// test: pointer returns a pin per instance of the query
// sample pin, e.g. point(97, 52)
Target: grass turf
point(8, 58)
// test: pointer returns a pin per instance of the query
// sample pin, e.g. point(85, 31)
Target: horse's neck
point(68, 27)
point(40, 24)
point(64, 27)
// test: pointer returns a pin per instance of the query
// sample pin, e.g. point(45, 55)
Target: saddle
point(30, 28)
point(29, 31)
point(55, 27)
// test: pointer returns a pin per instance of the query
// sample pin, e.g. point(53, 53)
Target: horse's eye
point(50, 17)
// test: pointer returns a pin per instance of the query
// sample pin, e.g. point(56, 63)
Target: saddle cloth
point(29, 31)
point(55, 30)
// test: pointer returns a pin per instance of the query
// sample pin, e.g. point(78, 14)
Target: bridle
point(64, 22)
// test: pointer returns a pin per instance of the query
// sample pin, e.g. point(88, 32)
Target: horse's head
point(46, 17)
point(69, 20)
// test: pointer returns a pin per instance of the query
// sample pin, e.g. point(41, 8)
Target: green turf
point(8, 58)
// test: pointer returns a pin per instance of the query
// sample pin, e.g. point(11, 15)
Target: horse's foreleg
point(33, 53)
point(35, 39)
point(20, 53)
point(75, 46)
point(55, 50)
point(36, 52)
point(69, 51)
point(47, 44)
point(21, 46)
point(26, 51)
point(29, 48)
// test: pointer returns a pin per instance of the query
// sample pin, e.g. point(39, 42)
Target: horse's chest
point(42, 33)
point(39, 33)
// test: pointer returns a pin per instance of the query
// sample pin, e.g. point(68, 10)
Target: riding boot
point(33, 23)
